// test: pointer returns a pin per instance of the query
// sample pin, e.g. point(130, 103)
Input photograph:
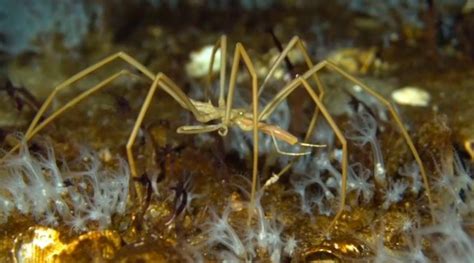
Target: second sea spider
point(224, 115)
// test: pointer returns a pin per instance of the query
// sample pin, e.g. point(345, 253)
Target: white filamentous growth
point(34, 185)
point(266, 234)
point(364, 131)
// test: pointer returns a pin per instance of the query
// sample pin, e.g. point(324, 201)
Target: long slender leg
point(300, 82)
point(222, 42)
point(309, 132)
point(166, 83)
point(71, 104)
point(240, 53)
point(283, 94)
point(82, 74)
point(394, 114)
point(275, 143)
point(343, 141)
point(179, 96)
point(174, 91)
point(133, 135)
point(273, 104)
point(270, 107)
point(399, 123)
point(295, 42)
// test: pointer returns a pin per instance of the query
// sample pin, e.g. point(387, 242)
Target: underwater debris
point(199, 63)
point(412, 96)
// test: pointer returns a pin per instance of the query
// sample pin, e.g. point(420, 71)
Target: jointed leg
point(222, 42)
point(167, 84)
point(343, 141)
point(398, 121)
point(291, 86)
point(174, 91)
point(309, 133)
point(240, 53)
point(282, 95)
point(287, 153)
point(300, 82)
point(120, 55)
point(70, 104)
point(295, 42)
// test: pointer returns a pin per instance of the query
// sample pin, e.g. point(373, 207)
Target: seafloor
point(67, 193)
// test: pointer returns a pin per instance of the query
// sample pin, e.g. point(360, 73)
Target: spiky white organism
point(34, 185)
point(364, 130)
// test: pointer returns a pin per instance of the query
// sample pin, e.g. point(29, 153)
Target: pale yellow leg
point(167, 84)
point(295, 42)
point(300, 82)
point(120, 55)
point(398, 121)
point(68, 105)
point(282, 95)
point(294, 84)
point(174, 91)
point(239, 54)
point(222, 42)
point(343, 142)
point(275, 143)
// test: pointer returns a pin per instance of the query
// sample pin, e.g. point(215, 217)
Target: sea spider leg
point(37, 128)
point(395, 116)
point(222, 42)
point(295, 42)
point(285, 92)
point(241, 53)
point(311, 73)
point(343, 141)
point(167, 85)
point(34, 127)
point(120, 55)
point(75, 101)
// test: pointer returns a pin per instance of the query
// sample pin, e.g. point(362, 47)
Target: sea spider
point(226, 115)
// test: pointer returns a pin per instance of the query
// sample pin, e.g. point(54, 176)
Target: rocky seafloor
point(68, 192)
